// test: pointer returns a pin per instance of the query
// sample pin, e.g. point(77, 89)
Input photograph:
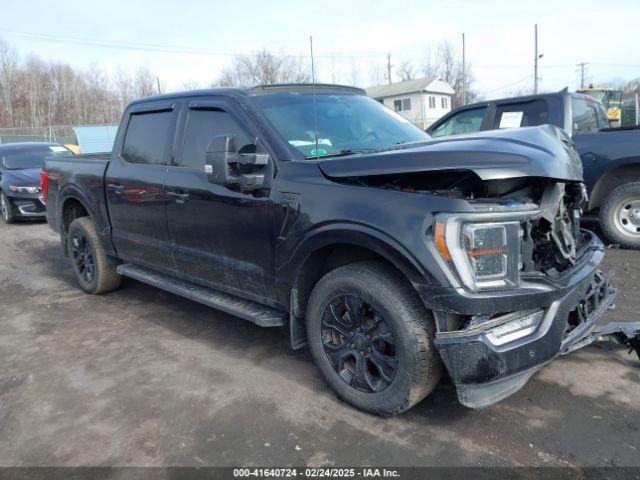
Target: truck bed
point(82, 175)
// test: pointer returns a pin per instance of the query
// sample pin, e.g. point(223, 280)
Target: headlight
point(24, 189)
point(485, 256)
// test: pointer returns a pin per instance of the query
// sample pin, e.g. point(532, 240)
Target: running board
point(246, 309)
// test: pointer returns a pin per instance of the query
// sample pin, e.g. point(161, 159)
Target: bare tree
point(190, 85)
point(264, 67)
point(353, 73)
point(406, 71)
point(124, 87)
point(377, 74)
point(34, 94)
point(630, 88)
point(8, 66)
point(447, 65)
point(144, 83)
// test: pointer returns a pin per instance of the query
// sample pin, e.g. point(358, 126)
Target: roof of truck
point(524, 98)
point(257, 89)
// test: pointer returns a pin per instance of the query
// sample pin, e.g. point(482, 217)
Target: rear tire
point(620, 215)
point(95, 271)
point(384, 362)
point(7, 212)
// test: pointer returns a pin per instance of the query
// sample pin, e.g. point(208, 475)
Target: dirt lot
point(143, 377)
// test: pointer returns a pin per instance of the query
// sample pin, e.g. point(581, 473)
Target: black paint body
point(255, 244)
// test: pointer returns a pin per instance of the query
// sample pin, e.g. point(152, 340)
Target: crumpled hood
point(542, 151)
point(28, 177)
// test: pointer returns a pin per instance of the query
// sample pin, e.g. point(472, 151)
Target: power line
point(528, 77)
point(163, 48)
point(181, 49)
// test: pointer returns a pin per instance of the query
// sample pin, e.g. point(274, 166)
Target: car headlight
point(35, 189)
point(486, 256)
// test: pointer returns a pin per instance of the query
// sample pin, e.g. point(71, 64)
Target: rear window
point(147, 137)
point(467, 121)
point(521, 114)
point(584, 115)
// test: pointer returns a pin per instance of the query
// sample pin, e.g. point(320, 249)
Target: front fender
point(357, 235)
point(337, 234)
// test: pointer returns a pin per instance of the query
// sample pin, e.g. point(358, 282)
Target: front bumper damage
point(486, 371)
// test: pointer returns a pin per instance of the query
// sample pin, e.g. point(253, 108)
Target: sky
point(192, 40)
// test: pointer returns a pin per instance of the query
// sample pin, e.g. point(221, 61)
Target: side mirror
point(225, 166)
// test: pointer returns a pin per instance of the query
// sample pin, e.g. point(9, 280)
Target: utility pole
point(159, 89)
point(535, 63)
point(582, 66)
point(537, 57)
point(389, 67)
point(464, 73)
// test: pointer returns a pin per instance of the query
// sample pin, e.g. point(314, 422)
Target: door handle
point(116, 187)
point(180, 197)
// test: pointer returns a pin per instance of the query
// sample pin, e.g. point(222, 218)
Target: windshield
point(23, 158)
point(346, 123)
point(596, 94)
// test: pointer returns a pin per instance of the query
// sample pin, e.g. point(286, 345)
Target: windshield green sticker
point(320, 151)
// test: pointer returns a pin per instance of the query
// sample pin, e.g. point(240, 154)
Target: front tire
point(95, 271)
point(620, 215)
point(371, 338)
point(7, 211)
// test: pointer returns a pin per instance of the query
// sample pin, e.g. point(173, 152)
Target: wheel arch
point(72, 204)
point(333, 248)
point(626, 172)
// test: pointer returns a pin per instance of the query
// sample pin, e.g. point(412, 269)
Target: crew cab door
point(135, 189)
point(222, 237)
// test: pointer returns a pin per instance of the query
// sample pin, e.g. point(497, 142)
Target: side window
point(397, 105)
point(601, 115)
point(406, 104)
point(432, 102)
point(584, 117)
point(523, 114)
point(146, 138)
point(202, 126)
point(464, 122)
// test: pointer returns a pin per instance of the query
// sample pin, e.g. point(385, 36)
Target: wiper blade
point(341, 153)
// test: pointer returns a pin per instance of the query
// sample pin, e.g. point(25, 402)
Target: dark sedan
point(20, 167)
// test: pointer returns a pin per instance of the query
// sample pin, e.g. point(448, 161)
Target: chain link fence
point(63, 134)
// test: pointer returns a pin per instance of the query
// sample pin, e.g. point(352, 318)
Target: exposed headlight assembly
point(484, 254)
point(24, 189)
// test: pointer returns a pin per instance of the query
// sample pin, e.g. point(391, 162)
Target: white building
point(421, 101)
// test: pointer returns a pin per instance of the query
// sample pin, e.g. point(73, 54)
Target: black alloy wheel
point(359, 343)
point(82, 256)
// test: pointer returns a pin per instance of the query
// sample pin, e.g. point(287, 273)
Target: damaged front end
point(518, 281)
point(524, 297)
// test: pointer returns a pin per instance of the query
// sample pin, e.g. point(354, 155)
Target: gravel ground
point(143, 377)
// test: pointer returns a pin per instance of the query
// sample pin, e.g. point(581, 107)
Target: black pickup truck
point(610, 156)
point(393, 256)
